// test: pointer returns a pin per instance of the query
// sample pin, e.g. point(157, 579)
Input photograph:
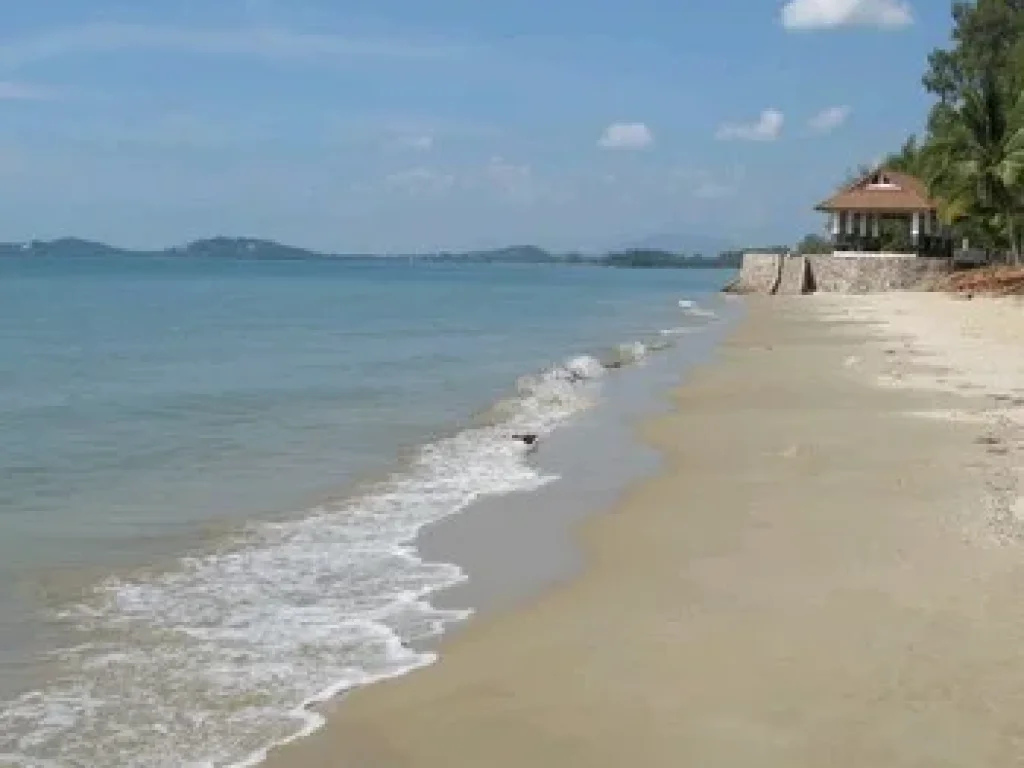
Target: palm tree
point(908, 159)
point(974, 159)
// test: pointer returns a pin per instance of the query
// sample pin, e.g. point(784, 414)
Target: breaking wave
point(220, 658)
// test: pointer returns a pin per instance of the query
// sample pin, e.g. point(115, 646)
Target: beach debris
point(1001, 280)
point(1013, 400)
point(1017, 509)
point(530, 439)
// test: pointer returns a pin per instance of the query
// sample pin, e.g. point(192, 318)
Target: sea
point(213, 473)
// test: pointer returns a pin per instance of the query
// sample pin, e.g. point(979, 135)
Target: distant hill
point(514, 254)
point(217, 247)
point(243, 247)
point(678, 243)
point(252, 248)
point(651, 259)
point(65, 246)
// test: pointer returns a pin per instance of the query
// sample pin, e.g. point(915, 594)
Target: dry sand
point(826, 573)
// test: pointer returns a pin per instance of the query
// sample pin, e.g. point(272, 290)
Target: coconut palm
point(974, 160)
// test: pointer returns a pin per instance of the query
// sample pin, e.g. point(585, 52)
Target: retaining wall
point(795, 277)
point(872, 274)
point(761, 272)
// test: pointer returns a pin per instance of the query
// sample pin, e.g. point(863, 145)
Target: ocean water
point(212, 474)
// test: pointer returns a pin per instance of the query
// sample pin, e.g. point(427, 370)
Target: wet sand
point(827, 570)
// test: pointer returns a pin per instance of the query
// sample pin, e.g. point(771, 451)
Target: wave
point(679, 331)
point(222, 657)
point(691, 307)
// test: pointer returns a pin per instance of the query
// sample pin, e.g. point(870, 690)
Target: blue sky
point(399, 125)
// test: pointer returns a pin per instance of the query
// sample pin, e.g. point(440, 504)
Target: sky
point(402, 125)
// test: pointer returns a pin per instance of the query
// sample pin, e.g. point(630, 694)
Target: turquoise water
point(213, 470)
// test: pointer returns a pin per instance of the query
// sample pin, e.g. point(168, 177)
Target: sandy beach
point(827, 570)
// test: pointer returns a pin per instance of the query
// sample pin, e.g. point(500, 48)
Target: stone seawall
point(796, 276)
point(761, 272)
point(873, 274)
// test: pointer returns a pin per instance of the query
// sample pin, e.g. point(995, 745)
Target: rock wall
point(768, 273)
point(759, 273)
point(795, 276)
point(873, 274)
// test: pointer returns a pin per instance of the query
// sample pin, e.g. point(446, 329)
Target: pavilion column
point(915, 227)
point(836, 224)
point(876, 225)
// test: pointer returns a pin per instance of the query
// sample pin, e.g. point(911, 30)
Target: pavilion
point(861, 212)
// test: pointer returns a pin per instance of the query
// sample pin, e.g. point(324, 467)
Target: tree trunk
point(1011, 227)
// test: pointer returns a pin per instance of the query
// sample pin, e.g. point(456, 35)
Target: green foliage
point(907, 159)
point(974, 160)
point(652, 259)
point(814, 244)
point(637, 258)
point(987, 37)
point(972, 154)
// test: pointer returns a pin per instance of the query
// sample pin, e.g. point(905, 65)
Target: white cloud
point(830, 14)
point(262, 42)
point(420, 142)
point(768, 127)
point(421, 181)
point(514, 180)
point(626, 136)
point(713, 190)
point(12, 91)
point(829, 119)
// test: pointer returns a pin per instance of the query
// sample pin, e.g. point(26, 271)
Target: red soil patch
point(987, 281)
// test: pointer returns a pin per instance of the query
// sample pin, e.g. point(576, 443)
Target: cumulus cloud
point(768, 127)
point(626, 136)
point(830, 14)
point(829, 119)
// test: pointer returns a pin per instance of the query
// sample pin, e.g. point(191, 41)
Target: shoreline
point(481, 540)
point(723, 610)
point(596, 457)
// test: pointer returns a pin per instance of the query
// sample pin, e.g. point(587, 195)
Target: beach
point(825, 570)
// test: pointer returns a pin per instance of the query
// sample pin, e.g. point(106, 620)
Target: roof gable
point(881, 190)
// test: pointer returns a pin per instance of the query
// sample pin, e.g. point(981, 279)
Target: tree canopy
point(972, 152)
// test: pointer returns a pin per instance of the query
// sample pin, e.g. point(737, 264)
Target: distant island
point(252, 248)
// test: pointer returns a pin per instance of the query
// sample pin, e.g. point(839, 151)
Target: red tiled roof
point(905, 193)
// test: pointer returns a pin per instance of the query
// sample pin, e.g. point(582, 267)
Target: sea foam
point(222, 657)
point(691, 307)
